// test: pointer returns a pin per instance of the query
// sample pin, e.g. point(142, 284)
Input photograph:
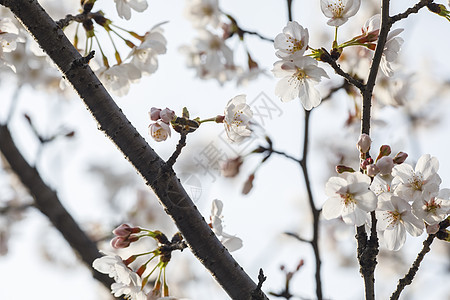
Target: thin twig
point(402, 283)
point(412, 10)
point(296, 236)
point(181, 143)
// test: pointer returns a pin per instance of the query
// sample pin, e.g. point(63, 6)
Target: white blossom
point(9, 36)
point(237, 118)
point(298, 78)
point(145, 56)
point(159, 130)
point(203, 12)
point(349, 197)
point(118, 78)
point(392, 46)
point(124, 7)
point(127, 282)
point(433, 208)
point(394, 219)
point(293, 40)
point(339, 10)
point(413, 183)
point(231, 242)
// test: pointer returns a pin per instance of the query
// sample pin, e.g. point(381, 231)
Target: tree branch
point(48, 203)
point(402, 283)
point(204, 244)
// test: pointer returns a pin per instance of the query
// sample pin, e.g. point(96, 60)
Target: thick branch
point(48, 203)
point(116, 126)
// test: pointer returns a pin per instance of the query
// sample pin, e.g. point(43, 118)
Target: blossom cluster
point(404, 199)
point(231, 242)
point(128, 282)
point(299, 74)
point(142, 60)
point(208, 54)
point(160, 130)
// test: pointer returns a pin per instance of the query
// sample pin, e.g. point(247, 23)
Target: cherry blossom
point(145, 56)
point(124, 7)
point(349, 197)
point(391, 48)
point(339, 11)
point(203, 12)
point(9, 36)
point(231, 242)
point(298, 78)
point(293, 40)
point(118, 78)
point(433, 208)
point(413, 183)
point(237, 117)
point(159, 130)
point(394, 219)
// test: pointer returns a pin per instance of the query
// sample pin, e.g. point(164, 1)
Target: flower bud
point(366, 162)
point(167, 115)
point(364, 143)
point(385, 165)
point(231, 167)
point(125, 230)
point(372, 170)
point(120, 242)
point(154, 114)
point(248, 184)
point(385, 150)
point(400, 158)
point(341, 169)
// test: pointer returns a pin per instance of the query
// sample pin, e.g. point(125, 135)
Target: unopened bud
point(341, 169)
point(167, 115)
point(364, 143)
point(400, 158)
point(372, 170)
point(125, 230)
point(120, 242)
point(385, 165)
point(385, 150)
point(154, 113)
point(366, 162)
point(231, 167)
point(248, 184)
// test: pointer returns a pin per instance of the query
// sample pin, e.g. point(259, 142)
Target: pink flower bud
point(400, 158)
point(120, 242)
point(167, 115)
point(341, 169)
point(385, 150)
point(364, 143)
point(385, 165)
point(154, 113)
point(231, 167)
point(125, 230)
point(248, 184)
point(372, 170)
point(366, 162)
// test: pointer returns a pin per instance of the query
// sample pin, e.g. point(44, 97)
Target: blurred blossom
point(339, 10)
point(145, 56)
point(124, 7)
point(203, 12)
point(230, 168)
point(231, 242)
point(118, 78)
